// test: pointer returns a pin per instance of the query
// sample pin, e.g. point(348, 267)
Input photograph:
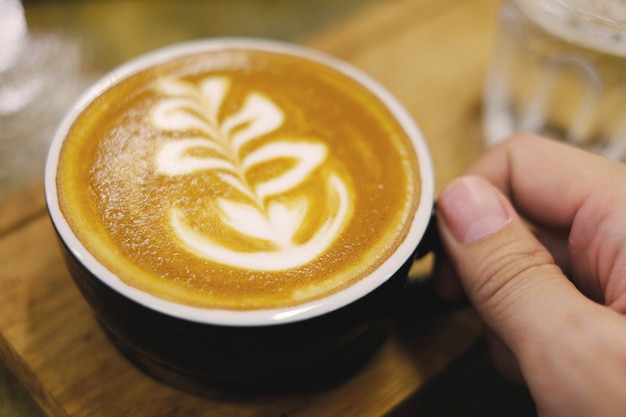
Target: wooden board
point(432, 54)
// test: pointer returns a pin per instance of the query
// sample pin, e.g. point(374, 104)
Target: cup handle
point(431, 242)
point(417, 297)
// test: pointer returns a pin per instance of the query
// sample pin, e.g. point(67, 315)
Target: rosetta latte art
point(217, 145)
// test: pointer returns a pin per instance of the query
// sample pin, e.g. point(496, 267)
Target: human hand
point(554, 298)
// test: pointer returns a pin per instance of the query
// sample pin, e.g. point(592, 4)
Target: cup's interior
point(248, 317)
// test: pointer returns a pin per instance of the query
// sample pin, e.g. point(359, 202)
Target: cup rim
point(259, 317)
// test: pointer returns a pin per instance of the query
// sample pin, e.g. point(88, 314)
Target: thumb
point(571, 351)
point(510, 278)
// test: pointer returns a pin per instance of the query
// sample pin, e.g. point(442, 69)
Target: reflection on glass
point(41, 74)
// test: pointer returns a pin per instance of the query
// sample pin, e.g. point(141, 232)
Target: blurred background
point(50, 51)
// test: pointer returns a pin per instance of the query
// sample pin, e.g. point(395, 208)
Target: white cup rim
point(262, 317)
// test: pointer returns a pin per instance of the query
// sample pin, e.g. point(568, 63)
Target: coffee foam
point(242, 176)
point(186, 108)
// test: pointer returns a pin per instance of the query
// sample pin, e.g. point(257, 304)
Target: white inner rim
point(252, 317)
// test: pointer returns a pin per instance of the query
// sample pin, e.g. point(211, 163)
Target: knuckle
point(508, 269)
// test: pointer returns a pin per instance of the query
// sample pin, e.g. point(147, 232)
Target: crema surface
point(238, 179)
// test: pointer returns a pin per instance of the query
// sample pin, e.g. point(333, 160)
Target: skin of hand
point(535, 237)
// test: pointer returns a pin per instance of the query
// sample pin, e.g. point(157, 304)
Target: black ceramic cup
point(179, 342)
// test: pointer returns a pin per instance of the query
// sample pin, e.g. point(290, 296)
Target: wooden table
point(432, 54)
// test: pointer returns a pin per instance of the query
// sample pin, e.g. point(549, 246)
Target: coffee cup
point(238, 210)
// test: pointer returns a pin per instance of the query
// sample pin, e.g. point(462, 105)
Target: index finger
point(548, 181)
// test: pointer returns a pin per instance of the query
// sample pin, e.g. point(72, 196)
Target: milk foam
point(193, 113)
point(278, 225)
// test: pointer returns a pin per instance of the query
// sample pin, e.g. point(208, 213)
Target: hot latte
point(238, 179)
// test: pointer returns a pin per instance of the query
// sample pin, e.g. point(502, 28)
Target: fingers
point(503, 358)
point(573, 194)
point(546, 180)
point(445, 280)
point(571, 351)
point(502, 267)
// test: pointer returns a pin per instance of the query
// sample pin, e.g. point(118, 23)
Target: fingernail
point(472, 209)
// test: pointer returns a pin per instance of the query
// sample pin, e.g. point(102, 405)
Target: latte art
point(238, 179)
point(253, 212)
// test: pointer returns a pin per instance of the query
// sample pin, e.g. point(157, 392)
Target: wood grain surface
point(432, 55)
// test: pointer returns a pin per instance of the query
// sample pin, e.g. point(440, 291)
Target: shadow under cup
point(180, 343)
